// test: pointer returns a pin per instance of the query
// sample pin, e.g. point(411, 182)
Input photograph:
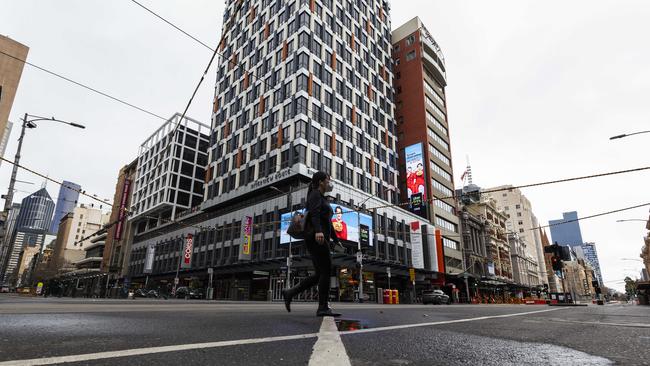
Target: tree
point(630, 287)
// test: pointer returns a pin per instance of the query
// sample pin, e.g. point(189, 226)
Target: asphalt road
point(176, 332)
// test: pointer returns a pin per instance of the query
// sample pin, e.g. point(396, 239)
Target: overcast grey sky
point(535, 91)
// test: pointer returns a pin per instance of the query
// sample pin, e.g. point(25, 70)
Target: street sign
point(289, 262)
point(210, 270)
point(412, 274)
point(359, 257)
point(176, 281)
point(388, 271)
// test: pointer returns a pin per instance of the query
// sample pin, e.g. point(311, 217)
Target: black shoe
point(287, 299)
point(327, 312)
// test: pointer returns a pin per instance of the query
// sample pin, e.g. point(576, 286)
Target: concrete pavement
point(159, 332)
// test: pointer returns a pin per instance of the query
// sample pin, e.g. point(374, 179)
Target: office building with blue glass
point(566, 231)
point(65, 203)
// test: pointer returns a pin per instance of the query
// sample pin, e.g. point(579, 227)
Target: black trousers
point(322, 259)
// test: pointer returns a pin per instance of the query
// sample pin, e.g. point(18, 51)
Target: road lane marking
point(195, 346)
point(329, 349)
point(631, 325)
point(416, 325)
point(151, 350)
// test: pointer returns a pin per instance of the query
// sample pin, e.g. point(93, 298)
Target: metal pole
point(12, 182)
point(289, 263)
point(290, 256)
point(360, 256)
point(178, 268)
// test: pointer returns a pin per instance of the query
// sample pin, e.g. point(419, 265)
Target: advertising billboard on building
point(247, 239)
point(188, 249)
point(347, 225)
point(416, 187)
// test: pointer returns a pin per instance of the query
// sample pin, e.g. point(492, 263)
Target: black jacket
point(319, 216)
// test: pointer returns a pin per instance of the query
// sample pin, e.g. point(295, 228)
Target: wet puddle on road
point(347, 325)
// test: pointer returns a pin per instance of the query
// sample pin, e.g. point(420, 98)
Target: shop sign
point(247, 239)
point(187, 252)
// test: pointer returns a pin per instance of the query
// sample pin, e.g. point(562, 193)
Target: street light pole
point(27, 124)
point(359, 252)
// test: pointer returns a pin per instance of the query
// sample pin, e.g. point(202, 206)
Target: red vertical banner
point(119, 228)
point(188, 249)
point(440, 252)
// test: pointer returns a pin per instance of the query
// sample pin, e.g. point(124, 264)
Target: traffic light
point(565, 253)
point(556, 262)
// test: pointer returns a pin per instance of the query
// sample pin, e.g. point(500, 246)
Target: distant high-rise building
point(32, 223)
point(566, 231)
point(6, 244)
point(81, 223)
point(10, 72)
point(590, 254)
point(65, 203)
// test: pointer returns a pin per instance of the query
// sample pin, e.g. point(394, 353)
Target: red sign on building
point(187, 252)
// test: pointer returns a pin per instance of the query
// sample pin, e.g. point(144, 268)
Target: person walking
point(318, 234)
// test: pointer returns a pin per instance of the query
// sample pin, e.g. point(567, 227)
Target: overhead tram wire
point(431, 200)
point(237, 65)
point(215, 52)
point(173, 25)
point(592, 216)
point(82, 192)
point(510, 188)
point(263, 81)
point(96, 91)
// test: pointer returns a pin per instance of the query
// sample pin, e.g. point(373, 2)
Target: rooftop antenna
point(467, 176)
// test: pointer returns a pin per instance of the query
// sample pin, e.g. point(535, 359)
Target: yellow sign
point(412, 274)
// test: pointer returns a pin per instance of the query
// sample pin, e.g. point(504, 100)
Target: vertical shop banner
point(416, 245)
point(148, 259)
point(247, 239)
point(119, 228)
point(188, 250)
point(416, 183)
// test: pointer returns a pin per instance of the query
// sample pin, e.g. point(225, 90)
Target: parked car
point(435, 297)
point(4, 289)
point(189, 293)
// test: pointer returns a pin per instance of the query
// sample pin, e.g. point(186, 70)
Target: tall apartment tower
point(11, 71)
point(423, 133)
point(65, 203)
point(305, 86)
point(523, 222)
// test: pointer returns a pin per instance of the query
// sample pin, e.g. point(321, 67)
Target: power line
point(172, 24)
point(116, 99)
point(592, 216)
point(237, 65)
point(225, 29)
point(80, 191)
